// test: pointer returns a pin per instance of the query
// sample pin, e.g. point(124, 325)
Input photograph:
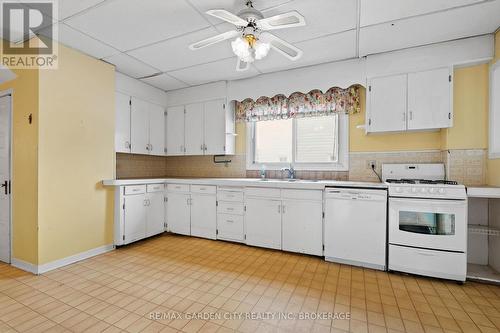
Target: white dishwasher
point(356, 226)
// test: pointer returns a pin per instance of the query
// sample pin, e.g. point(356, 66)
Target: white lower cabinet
point(303, 226)
point(191, 210)
point(263, 222)
point(230, 214)
point(203, 215)
point(178, 213)
point(141, 212)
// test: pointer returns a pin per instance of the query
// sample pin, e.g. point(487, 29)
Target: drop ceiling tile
point(234, 6)
point(433, 28)
point(211, 72)
point(130, 66)
point(79, 41)
point(68, 8)
point(164, 82)
point(322, 17)
point(379, 11)
point(129, 24)
point(320, 50)
point(175, 53)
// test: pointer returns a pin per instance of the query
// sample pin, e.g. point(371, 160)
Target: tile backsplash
point(465, 166)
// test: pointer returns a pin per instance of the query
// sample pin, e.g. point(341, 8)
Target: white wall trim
point(74, 258)
point(40, 269)
point(24, 265)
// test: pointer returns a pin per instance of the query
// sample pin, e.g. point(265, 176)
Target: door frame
point(5, 93)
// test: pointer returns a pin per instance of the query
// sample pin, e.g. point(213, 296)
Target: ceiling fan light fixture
point(261, 50)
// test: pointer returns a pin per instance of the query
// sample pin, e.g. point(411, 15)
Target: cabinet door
point(263, 222)
point(155, 219)
point(303, 226)
point(215, 127)
point(156, 130)
point(203, 216)
point(387, 104)
point(429, 99)
point(175, 131)
point(230, 227)
point(122, 131)
point(140, 126)
point(178, 213)
point(135, 218)
point(194, 129)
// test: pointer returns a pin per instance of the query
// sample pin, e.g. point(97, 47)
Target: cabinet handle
point(411, 115)
point(230, 209)
point(283, 209)
point(127, 145)
point(230, 221)
point(201, 147)
point(279, 209)
point(150, 147)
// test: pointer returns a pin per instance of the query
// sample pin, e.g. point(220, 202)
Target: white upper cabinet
point(200, 129)
point(194, 129)
point(386, 104)
point(215, 127)
point(156, 130)
point(429, 99)
point(175, 131)
point(122, 131)
point(413, 101)
point(139, 127)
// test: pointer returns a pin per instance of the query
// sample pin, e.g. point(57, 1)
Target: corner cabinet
point(204, 128)
point(140, 126)
point(410, 102)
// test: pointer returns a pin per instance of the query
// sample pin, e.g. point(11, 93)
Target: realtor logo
point(28, 34)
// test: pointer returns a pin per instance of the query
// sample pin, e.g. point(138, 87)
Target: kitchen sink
point(288, 180)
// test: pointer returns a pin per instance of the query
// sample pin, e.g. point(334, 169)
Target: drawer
point(229, 195)
point(230, 227)
point(263, 192)
point(316, 195)
point(135, 189)
point(155, 188)
point(183, 188)
point(203, 189)
point(225, 207)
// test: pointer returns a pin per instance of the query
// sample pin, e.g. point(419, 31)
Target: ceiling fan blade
point(288, 50)
point(242, 66)
point(214, 40)
point(281, 21)
point(228, 17)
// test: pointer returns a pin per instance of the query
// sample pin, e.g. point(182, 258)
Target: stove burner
point(422, 181)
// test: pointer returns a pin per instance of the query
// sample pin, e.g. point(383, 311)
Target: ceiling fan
point(253, 42)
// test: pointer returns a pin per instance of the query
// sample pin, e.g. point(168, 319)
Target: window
point(306, 143)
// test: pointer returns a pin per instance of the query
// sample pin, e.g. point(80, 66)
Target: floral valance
point(314, 103)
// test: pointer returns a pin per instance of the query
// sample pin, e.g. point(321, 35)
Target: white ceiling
point(149, 39)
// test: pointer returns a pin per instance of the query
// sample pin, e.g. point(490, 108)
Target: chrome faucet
point(291, 172)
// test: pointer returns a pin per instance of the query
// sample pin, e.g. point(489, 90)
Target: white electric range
point(427, 221)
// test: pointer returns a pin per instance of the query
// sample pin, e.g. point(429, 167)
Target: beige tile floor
point(173, 275)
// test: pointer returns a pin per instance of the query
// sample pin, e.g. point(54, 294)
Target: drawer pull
point(230, 209)
point(230, 221)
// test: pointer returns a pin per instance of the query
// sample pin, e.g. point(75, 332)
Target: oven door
point(428, 224)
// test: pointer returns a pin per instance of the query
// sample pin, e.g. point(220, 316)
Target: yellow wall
point(76, 140)
point(494, 165)
point(24, 161)
point(470, 106)
point(360, 142)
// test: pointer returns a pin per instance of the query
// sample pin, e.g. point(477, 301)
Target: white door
point(135, 218)
point(203, 215)
point(156, 130)
point(428, 224)
point(175, 131)
point(215, 127)
point(178, 213)
point(263, 222)
point(194, 129)
point(303, 226)
point(122, 131)
point(429, 99)
point(5, 108)
point(155, 218)
point(139, 126)
point(387, 104)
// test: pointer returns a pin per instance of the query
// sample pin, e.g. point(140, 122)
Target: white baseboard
point(40, 269)
point(24, 265)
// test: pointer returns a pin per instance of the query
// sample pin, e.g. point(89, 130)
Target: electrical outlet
point(371, 165)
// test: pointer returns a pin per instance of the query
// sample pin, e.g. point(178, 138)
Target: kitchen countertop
point(483, 192)
point(247, 182)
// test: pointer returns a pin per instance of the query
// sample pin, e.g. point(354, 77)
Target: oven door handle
point(423, 202)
